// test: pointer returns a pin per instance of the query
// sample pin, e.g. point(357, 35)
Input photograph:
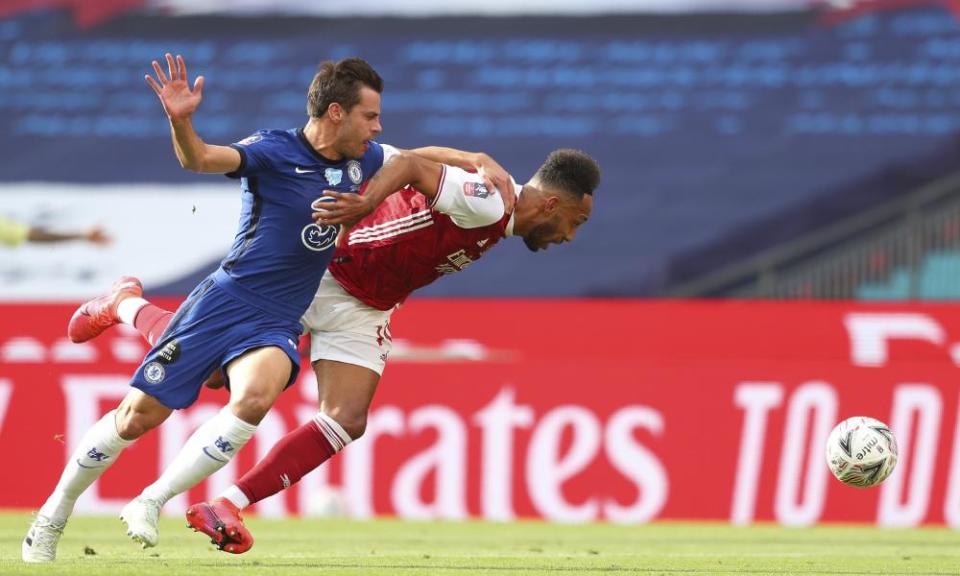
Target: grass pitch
point(99, 546)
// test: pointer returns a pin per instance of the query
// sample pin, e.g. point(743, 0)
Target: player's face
point(360, 125)
point(561, 220)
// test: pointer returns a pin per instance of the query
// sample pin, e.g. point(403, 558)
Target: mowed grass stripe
point(287, 547)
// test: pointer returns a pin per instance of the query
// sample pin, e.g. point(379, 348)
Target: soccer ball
point(326, 502)
point(861, 452)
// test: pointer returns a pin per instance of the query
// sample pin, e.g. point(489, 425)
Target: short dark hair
point(572, 171)
point(340, 82)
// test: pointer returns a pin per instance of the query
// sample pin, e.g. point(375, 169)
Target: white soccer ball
point(326, 502)
point(861, 452)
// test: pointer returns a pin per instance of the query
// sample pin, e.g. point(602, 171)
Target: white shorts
point(345, 329)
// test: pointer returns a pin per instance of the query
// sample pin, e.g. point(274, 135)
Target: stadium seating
point(938, 279)
point(719, 137)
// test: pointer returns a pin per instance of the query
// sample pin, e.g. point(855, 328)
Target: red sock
point(151, 321)
point(290, 459)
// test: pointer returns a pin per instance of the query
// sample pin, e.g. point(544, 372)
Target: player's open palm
point(179, 100)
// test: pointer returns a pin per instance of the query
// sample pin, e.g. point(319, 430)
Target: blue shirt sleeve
point(372, 160)
point(256, 154)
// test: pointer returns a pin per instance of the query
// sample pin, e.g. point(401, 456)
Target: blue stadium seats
point(719, 136)
point(939, 279)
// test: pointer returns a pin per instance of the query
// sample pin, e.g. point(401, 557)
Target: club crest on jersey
point(154, 372)
point(250, 140)
point(333, 176)
point(318, 238)
point(354, 171)
point(475, 189)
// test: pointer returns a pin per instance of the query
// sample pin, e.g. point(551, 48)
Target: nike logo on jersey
point(300, 170)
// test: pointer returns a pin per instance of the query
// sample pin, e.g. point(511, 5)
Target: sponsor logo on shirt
point(333, 176)
point(455, 262)
point(318, 238)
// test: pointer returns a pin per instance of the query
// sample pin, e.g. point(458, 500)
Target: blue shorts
point(210, 329)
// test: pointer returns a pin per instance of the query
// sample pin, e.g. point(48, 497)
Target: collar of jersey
point(306, 143)
point(508, 231)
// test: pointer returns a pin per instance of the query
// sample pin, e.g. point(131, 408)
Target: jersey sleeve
point(388, 152)
point(466, 199)
point(256, 154)
point(375, 157)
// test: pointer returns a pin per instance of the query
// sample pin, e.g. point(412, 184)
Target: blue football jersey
point(279, 253)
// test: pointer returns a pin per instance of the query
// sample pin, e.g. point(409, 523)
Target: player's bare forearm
point(44, 235)
point(95, 235)
point(403, 169)
point(180, 101)
point(187, 144)
point(493, 174)
point(449, 156)
point(196, 155)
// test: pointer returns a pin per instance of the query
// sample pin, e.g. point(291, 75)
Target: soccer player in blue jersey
point(244, 319)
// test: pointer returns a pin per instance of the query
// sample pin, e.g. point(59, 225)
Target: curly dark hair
point(572, 171)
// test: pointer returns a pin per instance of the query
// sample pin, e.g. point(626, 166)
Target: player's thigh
point(257, 377)
point(344, 386)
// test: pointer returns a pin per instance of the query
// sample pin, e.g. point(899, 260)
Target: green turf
point(99, 546)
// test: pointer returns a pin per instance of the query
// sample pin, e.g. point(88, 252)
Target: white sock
point(332, 431)
point(209, 449)
point(127, 309)
point(236, 495)
point(96, 451)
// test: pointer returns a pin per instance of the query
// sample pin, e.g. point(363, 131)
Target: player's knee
point(356, 427)
point(353, 422)
point(252, 407)
point(133, 423)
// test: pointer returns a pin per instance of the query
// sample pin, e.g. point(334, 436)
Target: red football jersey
point(407, 242)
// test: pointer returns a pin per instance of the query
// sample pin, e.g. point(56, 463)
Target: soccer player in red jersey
point(441, 224)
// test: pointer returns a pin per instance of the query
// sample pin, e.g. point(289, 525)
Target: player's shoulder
point(374, 151)
point(374, 156)
point(456, 174)
point(269, 137)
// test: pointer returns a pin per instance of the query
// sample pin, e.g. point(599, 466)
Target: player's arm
point(180, 102)
point(468, 200)
point(493, 174)
point(95, 235)
point(401, 170)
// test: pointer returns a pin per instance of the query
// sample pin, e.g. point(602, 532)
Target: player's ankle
point(235, 496)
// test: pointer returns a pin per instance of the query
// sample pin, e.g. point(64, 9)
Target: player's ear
point(551, 204)
point(335, 112)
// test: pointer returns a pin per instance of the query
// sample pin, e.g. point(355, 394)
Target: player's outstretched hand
point(97, 235)
point(179, 101)
point(494, 176)
point(341, 208)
